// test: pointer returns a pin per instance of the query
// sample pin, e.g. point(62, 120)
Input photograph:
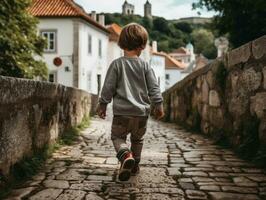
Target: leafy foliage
point(19, 42)
point(203, 40)
point(243, 20)
point(171, 34)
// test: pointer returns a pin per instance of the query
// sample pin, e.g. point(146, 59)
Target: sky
point(169, 9)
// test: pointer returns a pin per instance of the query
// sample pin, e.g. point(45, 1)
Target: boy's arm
point(153, 87)
point(108, 90)
point(155, 93)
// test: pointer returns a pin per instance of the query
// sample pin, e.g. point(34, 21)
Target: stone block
point(226, 195)
point(234, 76)
point(47, 194)
point(262, 132)
point(210, 79)
point(205, 91)
point(264, 77)
point(214, 99)
point(239, 55)
point(259, 47)
point(258, 105)
point(205, 112)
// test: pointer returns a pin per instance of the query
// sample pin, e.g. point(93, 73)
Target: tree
point(243, 20)
point(204, 43)
point(183, 26)
point(161, 24)
point(19, 41)
point(147, 23)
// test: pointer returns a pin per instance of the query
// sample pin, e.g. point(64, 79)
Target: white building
point(158, 65)
point(77, 44)
point(184, 55)
point(173, 69)
point(114, 51)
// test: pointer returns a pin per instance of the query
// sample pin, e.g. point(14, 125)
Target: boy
point(131, 83)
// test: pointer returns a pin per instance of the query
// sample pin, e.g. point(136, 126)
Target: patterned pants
point(123, 126)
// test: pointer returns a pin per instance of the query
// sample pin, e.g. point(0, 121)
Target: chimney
point(154, 46)
point(93, 15)
point(102, 19)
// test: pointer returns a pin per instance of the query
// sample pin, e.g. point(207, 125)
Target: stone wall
point(33, 114)
point(226, 99)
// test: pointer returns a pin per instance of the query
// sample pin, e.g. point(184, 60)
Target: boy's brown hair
point(132, 37)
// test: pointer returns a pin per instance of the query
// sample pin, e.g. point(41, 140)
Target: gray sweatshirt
point(132, 84)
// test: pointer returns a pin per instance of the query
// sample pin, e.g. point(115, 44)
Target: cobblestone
point(176, 165)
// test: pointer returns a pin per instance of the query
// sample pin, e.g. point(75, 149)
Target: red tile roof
point(61, 8)
point(170, 63)
point(115, 31)
point(181, 50)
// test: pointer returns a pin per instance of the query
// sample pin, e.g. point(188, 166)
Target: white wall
point(145, 54)
point(91, 64)
point(64, 28)
point(158, 65)
point(114, 52)
point(174, 77)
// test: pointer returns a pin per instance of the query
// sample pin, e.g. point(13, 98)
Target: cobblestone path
point(176, 165)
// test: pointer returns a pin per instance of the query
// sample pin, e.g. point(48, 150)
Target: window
point(167, 76)
point(89, 44)
point(52, 77)
point(50, 37)
point(100, 48)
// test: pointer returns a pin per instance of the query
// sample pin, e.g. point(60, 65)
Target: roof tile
point(61, 8)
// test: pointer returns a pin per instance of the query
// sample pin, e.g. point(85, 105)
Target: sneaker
point(135, 170)
point(126, 167)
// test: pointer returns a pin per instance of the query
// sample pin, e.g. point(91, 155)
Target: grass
point(29, 167)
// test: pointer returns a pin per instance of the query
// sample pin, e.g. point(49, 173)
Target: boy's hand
point(158, 111)
point(101, 110)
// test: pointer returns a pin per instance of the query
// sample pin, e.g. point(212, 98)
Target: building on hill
point(197, 64)
point(195, 20)
point(184, 55)
point(148, 10)
point(200, 62)
point(128, 9)
point(76, 52)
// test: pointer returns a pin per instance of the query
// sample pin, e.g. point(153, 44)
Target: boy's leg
point(119, 136)
point(124, 155)
point(137, 137)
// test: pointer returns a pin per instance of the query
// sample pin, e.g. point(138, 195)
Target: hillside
point(172, 34)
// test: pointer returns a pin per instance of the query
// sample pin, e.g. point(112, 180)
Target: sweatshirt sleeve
point(109, 87)
point(153, 87)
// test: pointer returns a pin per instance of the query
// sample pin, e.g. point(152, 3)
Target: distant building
point(195, 20)
point(148, 9)
point(200, 62)
point(128, 9)
point(76, 52)
point(173, 69)
point(184, 55)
